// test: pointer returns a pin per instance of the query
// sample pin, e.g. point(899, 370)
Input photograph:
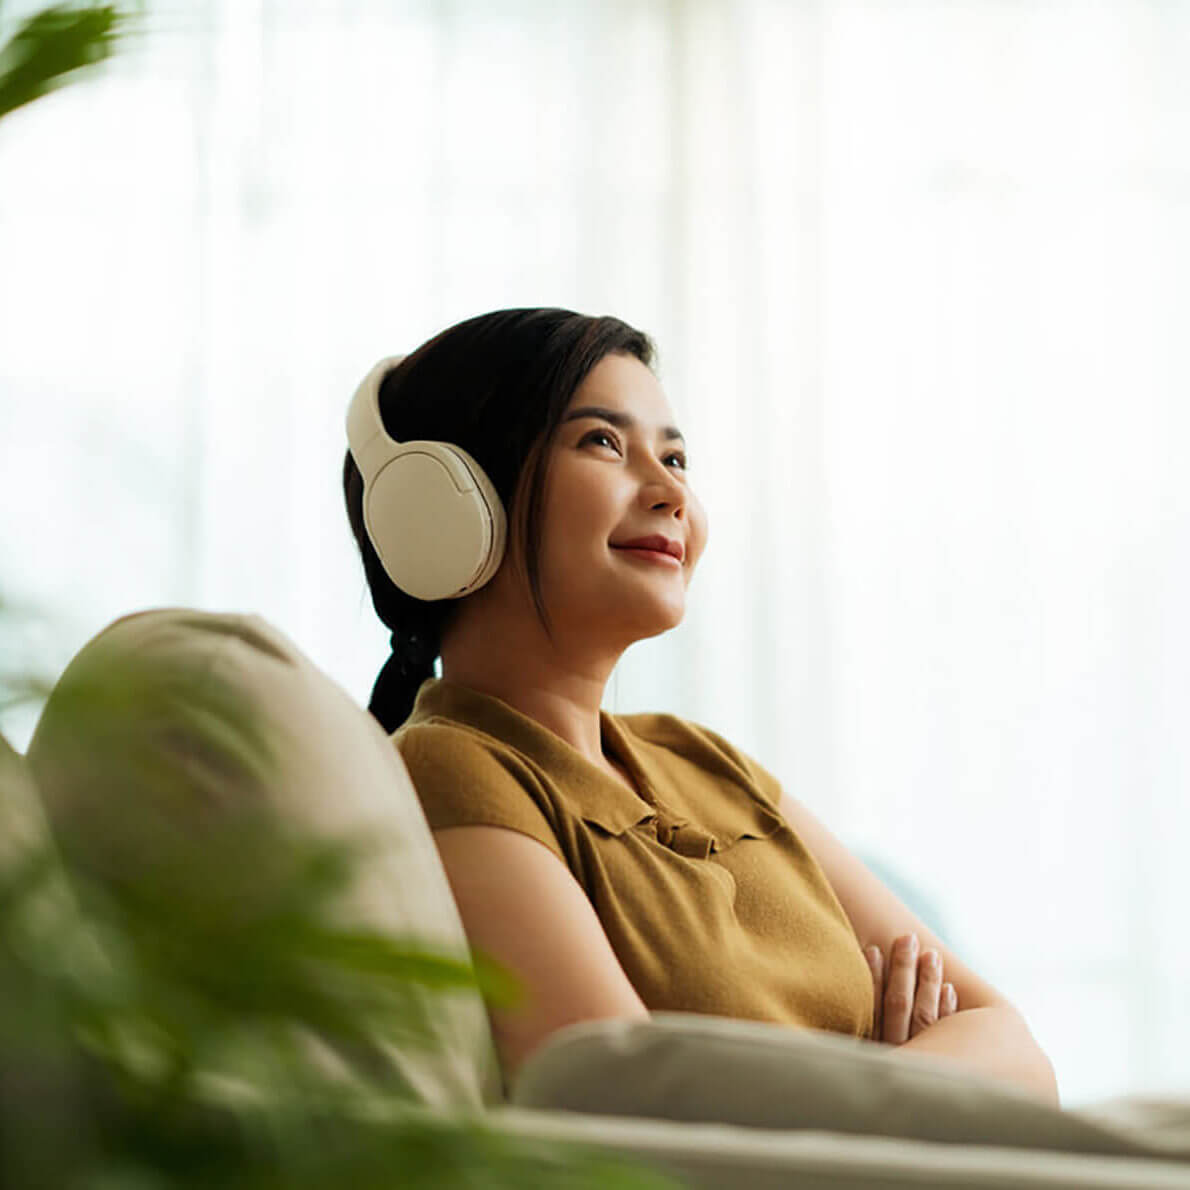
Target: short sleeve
point(766, 784)
point(463, 780)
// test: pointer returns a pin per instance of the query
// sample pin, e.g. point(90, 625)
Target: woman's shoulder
point(664, 728)
point(465, 777)
point(440, 729)
point(673, 731)
point(461, 748)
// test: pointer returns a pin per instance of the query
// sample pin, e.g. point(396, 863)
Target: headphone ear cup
point(435, 521)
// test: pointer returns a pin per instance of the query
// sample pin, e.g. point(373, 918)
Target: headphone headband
point(367, 438)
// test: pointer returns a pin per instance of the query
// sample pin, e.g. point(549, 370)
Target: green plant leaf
point(185, 999)
point(51, 46)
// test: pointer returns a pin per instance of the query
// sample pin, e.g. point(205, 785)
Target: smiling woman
point(496, 387)
point(618, 864)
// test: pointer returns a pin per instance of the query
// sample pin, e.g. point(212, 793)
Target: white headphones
point(431, 513)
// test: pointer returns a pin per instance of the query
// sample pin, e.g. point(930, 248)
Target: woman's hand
point(910, 995)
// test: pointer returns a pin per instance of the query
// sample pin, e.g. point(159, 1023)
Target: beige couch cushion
point(731, 1157)
point(332, 771)
point(688, 1067)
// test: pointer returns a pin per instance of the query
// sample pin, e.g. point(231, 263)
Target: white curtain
point(918, 272)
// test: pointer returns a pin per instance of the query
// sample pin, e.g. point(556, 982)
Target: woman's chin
point(665, 621)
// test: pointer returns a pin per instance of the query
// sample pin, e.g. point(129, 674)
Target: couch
point(711, 1101)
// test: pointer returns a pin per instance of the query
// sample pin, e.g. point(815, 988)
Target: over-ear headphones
point(430, 511)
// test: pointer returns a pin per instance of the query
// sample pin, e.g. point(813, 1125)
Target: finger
point(875, 957)
point(900, 984)
point(929, 992)
point(949, 1003)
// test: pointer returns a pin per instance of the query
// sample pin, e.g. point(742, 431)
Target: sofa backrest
point(333, 773)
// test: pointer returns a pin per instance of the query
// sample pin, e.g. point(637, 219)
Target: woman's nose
point(661, 484)
point(668, 492)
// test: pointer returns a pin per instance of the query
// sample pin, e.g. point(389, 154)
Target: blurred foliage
point(21, 683)
point(182, 1000)
point(49, 48)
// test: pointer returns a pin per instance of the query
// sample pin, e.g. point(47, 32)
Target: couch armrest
point(698, 1068)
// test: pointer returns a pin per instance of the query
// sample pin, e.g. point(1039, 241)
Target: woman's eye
point(601, 434)
point(613, 442)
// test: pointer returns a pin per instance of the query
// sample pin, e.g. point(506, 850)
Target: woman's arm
point(988, 1034)
point(877, 914)
point(520, 905)
point(992, 1041)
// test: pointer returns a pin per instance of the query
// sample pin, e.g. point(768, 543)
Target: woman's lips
point(652, 555)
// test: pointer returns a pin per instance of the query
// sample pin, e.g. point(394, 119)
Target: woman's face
point(615, 476)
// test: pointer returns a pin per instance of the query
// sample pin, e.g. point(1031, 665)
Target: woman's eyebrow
point(624, 421)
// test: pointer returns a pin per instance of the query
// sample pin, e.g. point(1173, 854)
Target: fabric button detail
point(689, 841)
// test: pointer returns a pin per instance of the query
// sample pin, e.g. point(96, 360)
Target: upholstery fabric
point(332, 771)
point(731, 1157)
point(697, 1069)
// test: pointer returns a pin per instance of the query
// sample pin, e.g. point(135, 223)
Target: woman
point(619, 864)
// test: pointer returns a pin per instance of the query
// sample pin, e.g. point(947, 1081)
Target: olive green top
point(710, 901)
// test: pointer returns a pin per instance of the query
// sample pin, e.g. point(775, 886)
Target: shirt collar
point(597, 796)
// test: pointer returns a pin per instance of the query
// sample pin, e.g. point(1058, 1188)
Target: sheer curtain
point(918, 276)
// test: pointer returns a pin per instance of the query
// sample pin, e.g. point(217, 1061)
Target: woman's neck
point(562, 693)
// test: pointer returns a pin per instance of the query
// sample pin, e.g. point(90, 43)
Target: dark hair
point(496, 385)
